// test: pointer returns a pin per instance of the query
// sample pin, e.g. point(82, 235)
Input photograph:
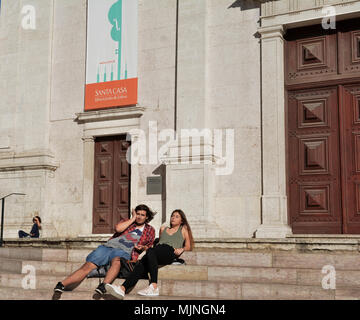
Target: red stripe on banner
point(111, 94)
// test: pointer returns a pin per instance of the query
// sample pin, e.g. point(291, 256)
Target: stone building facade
point(216, 65)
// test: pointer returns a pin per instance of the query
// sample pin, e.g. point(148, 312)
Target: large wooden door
point(350, 136)
point(314, 173)
point(323, 128)
point(111, 183)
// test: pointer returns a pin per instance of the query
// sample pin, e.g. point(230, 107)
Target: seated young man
point(131, 238)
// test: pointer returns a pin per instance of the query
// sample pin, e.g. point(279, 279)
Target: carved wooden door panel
point(121, 193)
point(349, 48)
point(350, 139)
point(310, 55)
point(111, 183)
point(314, 161)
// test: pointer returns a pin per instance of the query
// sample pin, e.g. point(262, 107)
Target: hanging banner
point(111, 65)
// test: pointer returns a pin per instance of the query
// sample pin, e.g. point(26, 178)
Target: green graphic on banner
point(115, 18)
point(111, 57)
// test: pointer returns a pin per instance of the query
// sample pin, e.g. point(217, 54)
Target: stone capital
point(88, 139)
point(272, 32)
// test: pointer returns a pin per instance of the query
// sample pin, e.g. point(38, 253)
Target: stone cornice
point(110, 114)
point(294, 13)
point(32, 160)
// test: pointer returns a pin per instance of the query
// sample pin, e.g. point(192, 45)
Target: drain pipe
point(261, 121)
point(176, 66)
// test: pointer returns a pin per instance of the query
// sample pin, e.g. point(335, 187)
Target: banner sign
point(111, 65)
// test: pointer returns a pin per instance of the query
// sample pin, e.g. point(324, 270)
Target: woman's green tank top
point(176, 240)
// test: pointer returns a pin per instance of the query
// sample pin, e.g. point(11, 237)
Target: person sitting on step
point(132, 237)
point(173, 242)
point(34, 233)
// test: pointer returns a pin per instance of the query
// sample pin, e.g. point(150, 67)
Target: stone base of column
point(206, 230)
point(273, 231)
point(189, 188)
point(274, 213)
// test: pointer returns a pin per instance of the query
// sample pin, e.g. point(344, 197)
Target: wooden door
point(111, 183)
point(313, 161)
point(322, 78)
point(350, 151)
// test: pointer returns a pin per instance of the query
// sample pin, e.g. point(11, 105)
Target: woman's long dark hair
point(39, 220)
point(184, 222)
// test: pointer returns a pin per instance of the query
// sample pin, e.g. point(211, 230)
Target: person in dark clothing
point(34, 233)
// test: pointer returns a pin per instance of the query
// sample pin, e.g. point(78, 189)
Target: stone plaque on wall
point(153, 185)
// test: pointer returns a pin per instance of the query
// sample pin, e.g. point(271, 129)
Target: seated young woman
point(174, 240)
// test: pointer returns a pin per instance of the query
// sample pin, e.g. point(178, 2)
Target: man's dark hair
point(149, 214)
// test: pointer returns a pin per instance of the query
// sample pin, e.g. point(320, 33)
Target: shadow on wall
point(161, 170)
point(245, 4)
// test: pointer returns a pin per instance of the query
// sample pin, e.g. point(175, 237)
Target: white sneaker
point(115, 291)
point(149, 291)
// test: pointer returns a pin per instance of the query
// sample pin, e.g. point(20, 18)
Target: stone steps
point(275, 259)
point(227, 274)
point(11, 288)
point(48, 282)
point(21, 294)
point(292, 276)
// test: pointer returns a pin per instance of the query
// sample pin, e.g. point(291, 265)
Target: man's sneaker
point(115, 291)
point(149, 291)
point(101, 288)
point(59, 287)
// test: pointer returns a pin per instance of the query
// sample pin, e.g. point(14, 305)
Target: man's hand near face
point(136, 217)
point(133, 216)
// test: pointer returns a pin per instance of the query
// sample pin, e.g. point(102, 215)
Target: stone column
point(192, 39)
point(189, 161)
point(88, 190)
point(274, 199)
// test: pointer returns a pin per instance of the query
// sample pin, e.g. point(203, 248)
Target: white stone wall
point(156, 73)
point(25, 59)
point(67, 99)
point(219, 88)
point(233, 98)
point(42, 78)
